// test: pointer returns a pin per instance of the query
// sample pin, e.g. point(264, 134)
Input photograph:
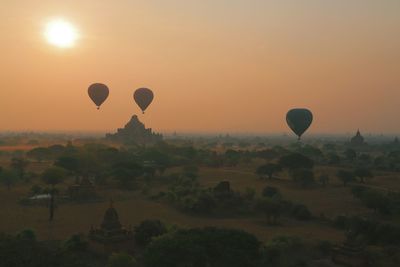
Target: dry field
point(17, 148)
point(133, 207)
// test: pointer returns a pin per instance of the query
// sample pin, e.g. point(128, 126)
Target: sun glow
point(61, 33)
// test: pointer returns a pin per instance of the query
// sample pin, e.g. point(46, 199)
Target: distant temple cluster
point(134, 132)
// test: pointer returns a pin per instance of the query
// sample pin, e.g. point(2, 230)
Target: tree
point(191, 171)
point(126, 172)
point(147, 230)
point(363, 173)
point(149, 170)
point(249, 193)
point(232, 157)
point(329, 147)
point(268, 154)
point(36, 189)
point(345, 176)
point(296, 161)
point(23, 250)
point(285, 251)
point(271, 208)
point(324, 179)
point(365, 158)
point(76, 243)
point(8, 178)
point(350, 154)
point(212, 247)
point(39, 154)
point(121, 260)
point(333, 158)
point(383, 202)
point(69, 163)
point(303, 177)
point(28, 235)
point(56, 151)
point(160, 159)
point(19, 165)
point(268, 169)
point(311, 151)
point(53, 176)
point(377, 201)
point(301, 212)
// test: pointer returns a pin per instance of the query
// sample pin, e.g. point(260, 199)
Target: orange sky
point(214, 65)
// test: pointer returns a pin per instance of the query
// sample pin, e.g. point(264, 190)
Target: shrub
point(209, 246)
point(249, 193)
point(76, 243)
point(303, 177)
point(121, 260)
point(301, 212)
point(147, 230)
point(36, 189)
point(325, 247)
point(270, 191)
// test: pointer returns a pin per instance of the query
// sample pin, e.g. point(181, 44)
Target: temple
point(111, 236)
point(358, 139)
point(396, 141)
point(82, 190)
point(134, 132)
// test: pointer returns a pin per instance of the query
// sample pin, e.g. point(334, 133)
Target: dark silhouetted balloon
point(143, 98)
point(98, 92)
point(299, 120)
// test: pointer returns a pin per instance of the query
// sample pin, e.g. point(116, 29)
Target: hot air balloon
point(299, 120)
point(143, 98)
point(98, 92)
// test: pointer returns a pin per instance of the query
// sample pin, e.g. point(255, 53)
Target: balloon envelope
point(143, 98)
point(98, 92)
point(299, 120)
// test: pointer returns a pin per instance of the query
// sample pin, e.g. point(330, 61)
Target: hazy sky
point(214, 65)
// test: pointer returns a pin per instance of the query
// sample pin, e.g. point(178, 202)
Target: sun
point(61, 33)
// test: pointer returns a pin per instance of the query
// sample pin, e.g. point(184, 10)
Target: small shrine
point(84, 189)
point(111, 236)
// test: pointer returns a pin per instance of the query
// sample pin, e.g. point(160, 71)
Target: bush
point(270, 191)
point(147, 230)
point(272, 208)
point(345, 176)
point(209, 246)
point(121, 260)
point(382, 202)
point(284, 251)
point(36, 189)
point(301, 212)
point(205, 203)
point(325, 247)
point(76, 243)
point(296, 161)
point(28, 235)
point(23, 250)
point(358, 190)
point(303, 177)
point(249, 194)
point(373, 232)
